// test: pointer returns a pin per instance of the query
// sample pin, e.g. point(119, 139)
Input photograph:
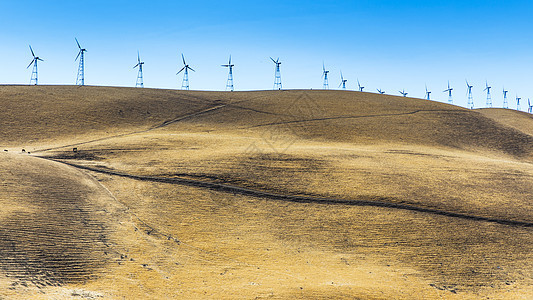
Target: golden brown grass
point(346, 146)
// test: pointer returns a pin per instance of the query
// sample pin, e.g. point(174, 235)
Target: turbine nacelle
point(139, 62)
point(343, 82)
point(229, 65)
point(277, 62)
point(359, 85)
point(186, 67)
point(35, 58)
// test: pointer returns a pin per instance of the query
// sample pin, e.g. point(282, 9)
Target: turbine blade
point(229, 60)
point(183, 58)
point(30, 64)
point(136, 66)
point(38, 58)
point(180, 70)
point(33, 54)
point(78, 43)
point(138, 56)
point(191, 69)
point(78, 55)
point(273, 60)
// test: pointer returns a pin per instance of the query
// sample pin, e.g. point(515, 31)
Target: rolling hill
point(281, 194)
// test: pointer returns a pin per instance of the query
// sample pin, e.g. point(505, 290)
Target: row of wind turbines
point(80, 79)
point(449, 90)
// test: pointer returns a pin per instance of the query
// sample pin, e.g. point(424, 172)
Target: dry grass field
point(125, 193)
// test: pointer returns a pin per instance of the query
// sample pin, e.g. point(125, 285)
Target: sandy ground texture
point(155, 194)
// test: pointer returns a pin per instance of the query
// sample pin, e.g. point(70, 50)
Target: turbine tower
point(489, 97)
point(343, 82)
point(186, 68)
point(404, 93)
point(34, 75)
point(428, 93)
point(529, 107)
point(325, 75)
point(380, 91)
point(470, 97)
point(140, 82)
point(361, 88)
point(80, 78)
point(229, 83)
point(518, 102)
point(277, 76)
point(505, 103)
point(449, 91)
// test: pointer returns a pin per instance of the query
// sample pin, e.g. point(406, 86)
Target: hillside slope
point(33, 115)
point(268, 194)
point(518, 120)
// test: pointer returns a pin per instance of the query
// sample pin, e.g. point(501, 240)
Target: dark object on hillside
point(74, 149)
point(23, 150)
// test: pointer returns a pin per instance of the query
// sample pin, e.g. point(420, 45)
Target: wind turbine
point(186, 68)
point(529, 107)
point(361, 88)
point(80, 78)
point(380, 91)
point(470, 97)
point(428, 93)
point(229, 82)
point(325, 75)
point(34, 74)
point(505, 103)
point(140, 81)
point(489, 97)
point(343, 82)
point(277, 75)
point(449, 91)
point(404, 93)
point(518, 102)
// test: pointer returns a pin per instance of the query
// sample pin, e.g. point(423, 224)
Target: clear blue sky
point(390, 45)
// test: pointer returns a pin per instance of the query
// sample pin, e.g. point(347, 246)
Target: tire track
point(164, 124)
point(354, 117)
point(221, 187)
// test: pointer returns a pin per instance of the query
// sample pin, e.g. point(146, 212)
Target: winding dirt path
point(298, 199)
